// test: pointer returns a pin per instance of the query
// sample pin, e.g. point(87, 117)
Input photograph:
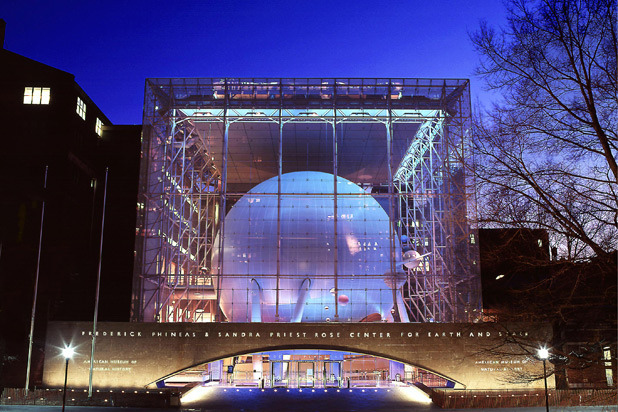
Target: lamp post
point(68, 354)
point(543, 354)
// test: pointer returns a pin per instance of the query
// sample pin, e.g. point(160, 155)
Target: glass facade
point(306, 369)
point(305, 200)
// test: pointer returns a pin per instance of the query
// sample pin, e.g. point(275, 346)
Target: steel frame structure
point(183, 195)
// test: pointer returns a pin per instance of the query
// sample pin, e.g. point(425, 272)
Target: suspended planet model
point(412, 259)
point(343, 300)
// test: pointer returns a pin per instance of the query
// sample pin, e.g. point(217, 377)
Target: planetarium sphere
point(318, 266)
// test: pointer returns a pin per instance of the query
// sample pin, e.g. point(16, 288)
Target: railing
point(311, 92)
point(107, 397)
point(445, 398)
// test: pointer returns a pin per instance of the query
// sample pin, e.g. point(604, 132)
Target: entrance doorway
point(307, 369)
point(306, 374)
point(280, 374)
point(332, 373)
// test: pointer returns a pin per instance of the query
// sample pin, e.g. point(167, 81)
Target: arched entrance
point(305, 368)
point(138, 355)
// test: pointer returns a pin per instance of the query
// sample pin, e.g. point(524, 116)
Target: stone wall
point(136, 355)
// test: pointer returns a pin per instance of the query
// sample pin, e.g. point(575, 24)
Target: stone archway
point(331, 351)
point(133, 355)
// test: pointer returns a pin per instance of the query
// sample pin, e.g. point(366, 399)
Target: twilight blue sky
point(112, 46)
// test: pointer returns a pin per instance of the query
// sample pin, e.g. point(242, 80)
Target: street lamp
point(543, 354)
point(68, 354)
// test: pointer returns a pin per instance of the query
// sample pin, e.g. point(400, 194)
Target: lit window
point(81, 108)
point(472, 239)
point(99, 127)
point(36, 95)
point(609, 374)
point(540, 242)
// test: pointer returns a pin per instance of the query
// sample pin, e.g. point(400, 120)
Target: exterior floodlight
point(543, 354)
point(68, 352)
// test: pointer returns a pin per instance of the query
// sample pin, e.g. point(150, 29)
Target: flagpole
point(36, 284)
point(96, 301)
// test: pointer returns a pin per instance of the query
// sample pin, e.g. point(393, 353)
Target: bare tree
point(545, 158)
point(546, 154)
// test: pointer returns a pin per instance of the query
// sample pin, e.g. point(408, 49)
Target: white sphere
point(307, 251)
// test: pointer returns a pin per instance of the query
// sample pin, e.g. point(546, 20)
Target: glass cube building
point(305, 200)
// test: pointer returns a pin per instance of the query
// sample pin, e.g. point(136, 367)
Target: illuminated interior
point(240, 218)
point(306, 369)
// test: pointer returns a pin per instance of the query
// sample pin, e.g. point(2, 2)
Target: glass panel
point(332, 374)
point(45, 95)
point(280, 374)
point(36, 95)
point(81, 108)
point(28, 95)
point(99, 127)
point(306, 374)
